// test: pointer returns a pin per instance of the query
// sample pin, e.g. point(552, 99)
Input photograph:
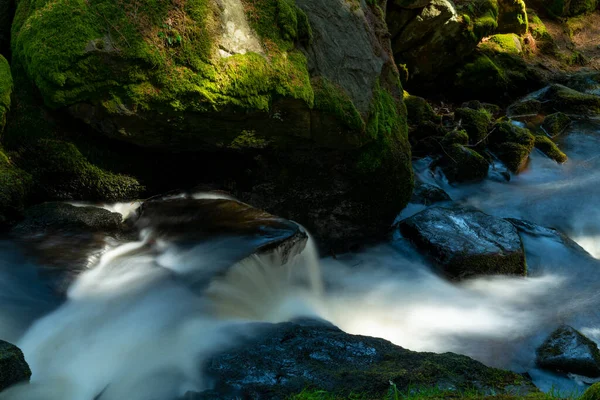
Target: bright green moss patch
point(480, 18)
point(512, 17)
point(549, 148)
point(6, 84)
point(158, 55)
point(503, 43)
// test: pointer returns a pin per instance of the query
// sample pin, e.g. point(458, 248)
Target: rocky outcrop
point(303, 96)
point(281, 360)
point(466, 242)
point(13, 367)
point(567, 350)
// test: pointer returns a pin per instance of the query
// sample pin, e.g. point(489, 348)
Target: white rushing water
point(137, 324)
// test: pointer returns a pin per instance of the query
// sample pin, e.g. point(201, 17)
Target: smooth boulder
point(283, 359)
point(466, 242)
point(567, 350)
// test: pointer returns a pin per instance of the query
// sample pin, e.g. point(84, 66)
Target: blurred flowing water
point(137, 324)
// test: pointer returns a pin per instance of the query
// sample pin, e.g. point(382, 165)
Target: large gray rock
point(466, 242)
point(13, 367)
point(283, 359)
point(567, 350)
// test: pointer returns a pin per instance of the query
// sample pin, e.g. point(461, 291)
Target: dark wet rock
point(466, 242)
point(555, 124)
point(462, 164)
point(427, 194)
point(567, 350)
point(557, 98)
point(13, 367)
point(283, 359)
point(190, 220)
point(67, 238)
point(527, 106)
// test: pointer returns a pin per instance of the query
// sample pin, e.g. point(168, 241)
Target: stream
point(136, 324)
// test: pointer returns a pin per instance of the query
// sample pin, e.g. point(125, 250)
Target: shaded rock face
point(462, 164)
point(567, 350)
point(191, 220)
point(466, 243)
point(13, 367)
point(557, 98)
point(284, 359)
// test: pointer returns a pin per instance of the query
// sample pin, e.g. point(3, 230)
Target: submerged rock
point(13, 367)
point(567, 350)
point(466, 242)
point(283, 359)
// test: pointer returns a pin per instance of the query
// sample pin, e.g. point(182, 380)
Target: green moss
point(555, 124)
point(15, 185)
point(436, 394)
point(512, 17)
point(475, 122)
point(512, 145)
point(456, 137)
point(562, 98)
point(334, 100)
point(462, 164)
point(593, 393)
point(549, 148)
point(60, 171)
point(503, 43)
point(562, 8)
point(419, 110)
point(6, 84)
point(538, 28)
point(248, 140)
point(480, 18)
point(158, 55)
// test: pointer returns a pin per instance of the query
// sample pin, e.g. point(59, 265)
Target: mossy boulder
point(461, 164)
point(15, 185)
point(280, 360)
point(592, 393)
point(525, 107)
point(512, 17)
point(475, 122)
point(557, 97)
point(427, 194)
point(169, 77)
point(13, 367)
point(503, 43)
point(543, 39)
point(549, 148)
point(418, 110)
point(455, 137)
point(466, 242)
point(512, 145)
point(567, 350)
point(555, 124)
point(440, 35)
point(569, 8)
point(6, 86)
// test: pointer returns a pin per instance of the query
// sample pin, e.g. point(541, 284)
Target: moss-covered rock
point(564, 8)
point(561, 98)
point(593, 393)
point(15, 185)
point(512, 145)
point(512, 16)
point(462, 164)
point(456, 137)
point(418, 111)
point(6, 85)
point(170, 77)
point(475, 122)
point(549, 148)
point(503, 43)
point(543, 39)
point(555, 124)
